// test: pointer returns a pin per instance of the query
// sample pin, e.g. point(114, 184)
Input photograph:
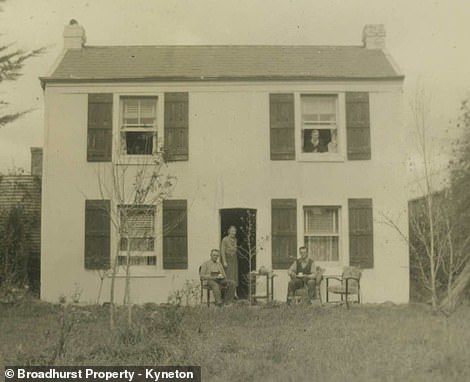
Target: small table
point(269, 296)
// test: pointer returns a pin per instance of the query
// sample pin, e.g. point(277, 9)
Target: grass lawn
point(240, 343)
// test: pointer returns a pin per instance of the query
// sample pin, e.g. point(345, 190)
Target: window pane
point(134, 244)
point(140, 211)
point(138, 143)
point(319, 134)
point(319, 140)
point(123, 244)
point(141, 244)
point(121, 260)
point(321, 220)
point(130, 111)
point(138, 223)
point(138, 260)
point(138, 114)
point(151, 260)
point(317, 109)
point(139, 111)
point(323, 248)
point(147, 111)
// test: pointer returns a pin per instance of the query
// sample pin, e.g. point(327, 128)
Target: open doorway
point(238, 217)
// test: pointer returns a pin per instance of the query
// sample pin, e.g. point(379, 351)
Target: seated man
point(301, 272)
point(213, 273)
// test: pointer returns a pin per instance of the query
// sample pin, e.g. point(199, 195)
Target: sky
point(428, 39)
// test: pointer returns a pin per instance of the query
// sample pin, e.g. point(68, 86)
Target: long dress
point(228, 249)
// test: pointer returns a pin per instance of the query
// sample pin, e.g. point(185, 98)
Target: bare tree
point(429, 214)
point(248, 250)
point(432, 254)
point(439, 219)
point(430, 247)
point(136, 188)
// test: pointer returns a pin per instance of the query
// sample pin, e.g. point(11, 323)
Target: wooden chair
point(205, 287)
point(349, 285)
point(301, 294)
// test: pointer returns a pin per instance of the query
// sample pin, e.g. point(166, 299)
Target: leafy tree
point(12, 61)
point(19, 222)
point(459, 237)
point(14, 234)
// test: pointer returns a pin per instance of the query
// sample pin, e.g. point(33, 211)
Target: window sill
point(141, 271)
point(125, 160)
point(320, 157)
point(331, 267)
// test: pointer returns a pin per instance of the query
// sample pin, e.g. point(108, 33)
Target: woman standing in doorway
point(228, 251)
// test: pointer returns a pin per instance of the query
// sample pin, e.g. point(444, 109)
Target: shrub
point(168, 320)
point(188, 295)
point(15, 250)
point(11, 294)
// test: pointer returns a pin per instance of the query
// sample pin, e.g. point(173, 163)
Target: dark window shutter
point(283, 232)
point(282, 126)
point(176, 126)
point(100, 127)
point(97, 234)
point(175, 234)
point(358, 125)
point(361, 233)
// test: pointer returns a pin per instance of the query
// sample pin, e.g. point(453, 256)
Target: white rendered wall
point(228, 167)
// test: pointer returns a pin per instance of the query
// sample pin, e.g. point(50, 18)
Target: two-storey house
point(310, 139)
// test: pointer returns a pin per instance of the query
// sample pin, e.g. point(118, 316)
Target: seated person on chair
point(213, 273)
point(302, 273)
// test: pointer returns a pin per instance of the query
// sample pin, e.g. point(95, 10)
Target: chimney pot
point(373, 36)
point(74, 35)
point(36, 161)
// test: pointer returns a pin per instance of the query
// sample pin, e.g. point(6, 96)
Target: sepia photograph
point(238, 190)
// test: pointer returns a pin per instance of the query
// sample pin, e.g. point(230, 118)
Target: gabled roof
point(222, 62)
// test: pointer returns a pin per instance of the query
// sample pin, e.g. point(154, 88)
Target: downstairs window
point(321, 232)
point(137, 235)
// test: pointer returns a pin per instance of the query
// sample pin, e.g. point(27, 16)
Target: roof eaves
point(393, 63)
point(46, 80)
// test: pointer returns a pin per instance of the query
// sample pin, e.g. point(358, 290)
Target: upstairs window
point(319, 131)
point(321, 232)
point(137, 240)
point(138, 125)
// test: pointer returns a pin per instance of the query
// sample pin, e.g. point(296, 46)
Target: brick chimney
point(373, 36)
point(74, 35)
point(36, 161)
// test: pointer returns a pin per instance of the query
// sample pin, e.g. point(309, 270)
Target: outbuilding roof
point(223, 62)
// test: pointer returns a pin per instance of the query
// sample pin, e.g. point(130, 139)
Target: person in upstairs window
point(333, 145)
point(302, 274)
point(315, 144)
point(213, 273)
